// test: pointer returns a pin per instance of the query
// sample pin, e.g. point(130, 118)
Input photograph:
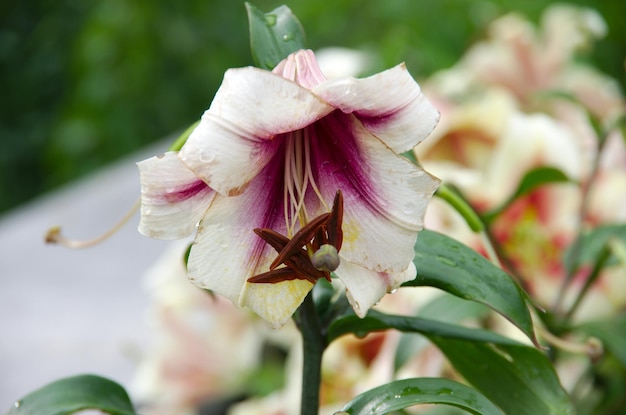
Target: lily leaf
point(405, 393)
point(273, 35)
point(532, 179)
point(517, 378)
point(73, 394)
point(446, 308)
point(377, 321)
point(449, 265)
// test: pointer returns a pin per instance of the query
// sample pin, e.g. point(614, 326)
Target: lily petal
point(226, 251)
point(390, 104)
point(385, 195)
point(173, 198)
point(364, 288)
point(229, 147)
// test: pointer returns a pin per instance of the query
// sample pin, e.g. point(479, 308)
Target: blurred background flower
point(521, 100)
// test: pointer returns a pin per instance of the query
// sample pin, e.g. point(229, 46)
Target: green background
point(85, 82)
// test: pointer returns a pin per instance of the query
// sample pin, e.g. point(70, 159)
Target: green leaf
point(518, 378)
point(73, 394)
point(532, 179)
point(273, 35)
point(405, 393)
point(377, 321)
point(447, 264)
point(446, 308)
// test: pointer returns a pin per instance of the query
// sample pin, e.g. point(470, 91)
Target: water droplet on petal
point(207, 156)
point(393, 291)
point(408, 208)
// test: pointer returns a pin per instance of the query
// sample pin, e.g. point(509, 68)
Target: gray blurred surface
point(65, 312)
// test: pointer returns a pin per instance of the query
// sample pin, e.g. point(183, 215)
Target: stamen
point(301, 184)
point(54, 235)
point(298, 177)
point(311, 254)
point(300, 239)
point(309, 172)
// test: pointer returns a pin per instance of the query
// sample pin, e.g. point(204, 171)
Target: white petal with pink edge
point(173, 198)
point(225, 156)
point(226, 251)
point(251, 106)
point(385, 195)
point(365, 288)
point(390, 104)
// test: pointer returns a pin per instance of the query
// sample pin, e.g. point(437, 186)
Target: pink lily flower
point(271, 152)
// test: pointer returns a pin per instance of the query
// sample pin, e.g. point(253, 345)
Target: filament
point(54, 235)
point(298, 178)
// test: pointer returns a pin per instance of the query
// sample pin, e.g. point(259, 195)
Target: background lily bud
point(326, 258)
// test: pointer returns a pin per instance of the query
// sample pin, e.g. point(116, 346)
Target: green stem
point(182, 139)
point(593, 276)
point(313, 345)
point(461, 206)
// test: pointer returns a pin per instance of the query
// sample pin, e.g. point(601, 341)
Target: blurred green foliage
point(84, 82)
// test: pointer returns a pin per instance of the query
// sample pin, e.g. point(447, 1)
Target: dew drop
point(408, 208)
point(393, 291)
point(270, 19)
point(207, 156)
point(398, 396)
point(17, 404)
point(287, 37)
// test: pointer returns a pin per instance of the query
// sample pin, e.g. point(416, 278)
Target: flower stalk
point(313, 345)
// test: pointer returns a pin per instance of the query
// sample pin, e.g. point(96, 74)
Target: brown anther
point(274, 276)
point(294, 253)
point(298, 262)
point(335, 221)
point(300, 239)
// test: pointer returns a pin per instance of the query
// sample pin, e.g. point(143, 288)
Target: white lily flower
point(271, 152)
